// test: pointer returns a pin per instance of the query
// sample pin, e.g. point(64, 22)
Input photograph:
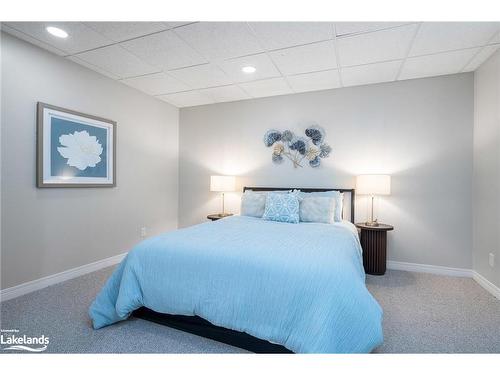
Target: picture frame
point(74, 149)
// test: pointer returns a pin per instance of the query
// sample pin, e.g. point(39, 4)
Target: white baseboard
point(486, 284)
point(428, 268)
point(446, 271)
point(31, 286)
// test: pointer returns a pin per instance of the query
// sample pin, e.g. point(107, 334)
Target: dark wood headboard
point(312, 190)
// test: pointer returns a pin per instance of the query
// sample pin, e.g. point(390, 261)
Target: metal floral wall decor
point(298, 149)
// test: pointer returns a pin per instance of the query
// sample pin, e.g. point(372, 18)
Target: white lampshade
point(222, 183)
point(373, 184)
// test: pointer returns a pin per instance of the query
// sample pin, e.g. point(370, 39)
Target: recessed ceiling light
point(60, 33)
point(248, 69)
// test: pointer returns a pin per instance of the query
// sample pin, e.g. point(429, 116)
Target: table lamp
point(222, 184)
point(373, 184)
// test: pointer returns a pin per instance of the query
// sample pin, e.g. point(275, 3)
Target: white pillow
point(339, 207)
point(339, 200)
point(253, 203)
point(317, 209)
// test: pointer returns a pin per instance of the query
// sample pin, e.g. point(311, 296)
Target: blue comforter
point(298, 285)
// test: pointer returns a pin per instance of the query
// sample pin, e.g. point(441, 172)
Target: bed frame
point(202, 327)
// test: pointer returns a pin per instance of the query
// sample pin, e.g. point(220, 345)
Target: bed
point(265, 286)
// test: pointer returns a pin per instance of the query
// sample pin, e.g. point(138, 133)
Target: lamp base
point(372, 223)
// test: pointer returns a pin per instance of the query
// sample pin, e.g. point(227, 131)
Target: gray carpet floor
point(423, 313)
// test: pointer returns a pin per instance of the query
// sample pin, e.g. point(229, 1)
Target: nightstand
point(214, 217)
point(374, 243)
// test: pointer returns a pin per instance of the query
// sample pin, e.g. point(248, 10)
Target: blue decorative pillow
point(282, 207)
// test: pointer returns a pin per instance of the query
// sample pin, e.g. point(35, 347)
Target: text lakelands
point(23, 340)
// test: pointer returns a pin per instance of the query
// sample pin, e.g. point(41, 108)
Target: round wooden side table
point(214, 217)
point(374, 243)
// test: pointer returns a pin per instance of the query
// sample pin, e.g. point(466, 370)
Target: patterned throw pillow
point(282, 207)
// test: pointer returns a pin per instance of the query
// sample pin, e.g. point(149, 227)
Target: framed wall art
point(74, 149)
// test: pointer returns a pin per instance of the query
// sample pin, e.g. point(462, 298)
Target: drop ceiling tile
point(156, 84)
point(120, 31)
point(92, 67)
point(371, 73)
point(346, 28)
point(266, 87)
point(117, 61)
point(435, 37)
point(328, 79)
point(202, 76)
point(480, 57)
point(225, 93)
point(165, 50)
point(171, 25)
point(186, 99)
point(261, 62)
point(385, 45)
point(29, 39)
point(80, 37)
point(305, 59)
point(274, 35)
point(220, 40)
point(435, 65)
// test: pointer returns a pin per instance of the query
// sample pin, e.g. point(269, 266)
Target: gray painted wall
point(486, 234)
point(45, 231)
point(419, 131)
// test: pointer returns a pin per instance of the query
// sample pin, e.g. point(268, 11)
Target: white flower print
point(81, 149)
